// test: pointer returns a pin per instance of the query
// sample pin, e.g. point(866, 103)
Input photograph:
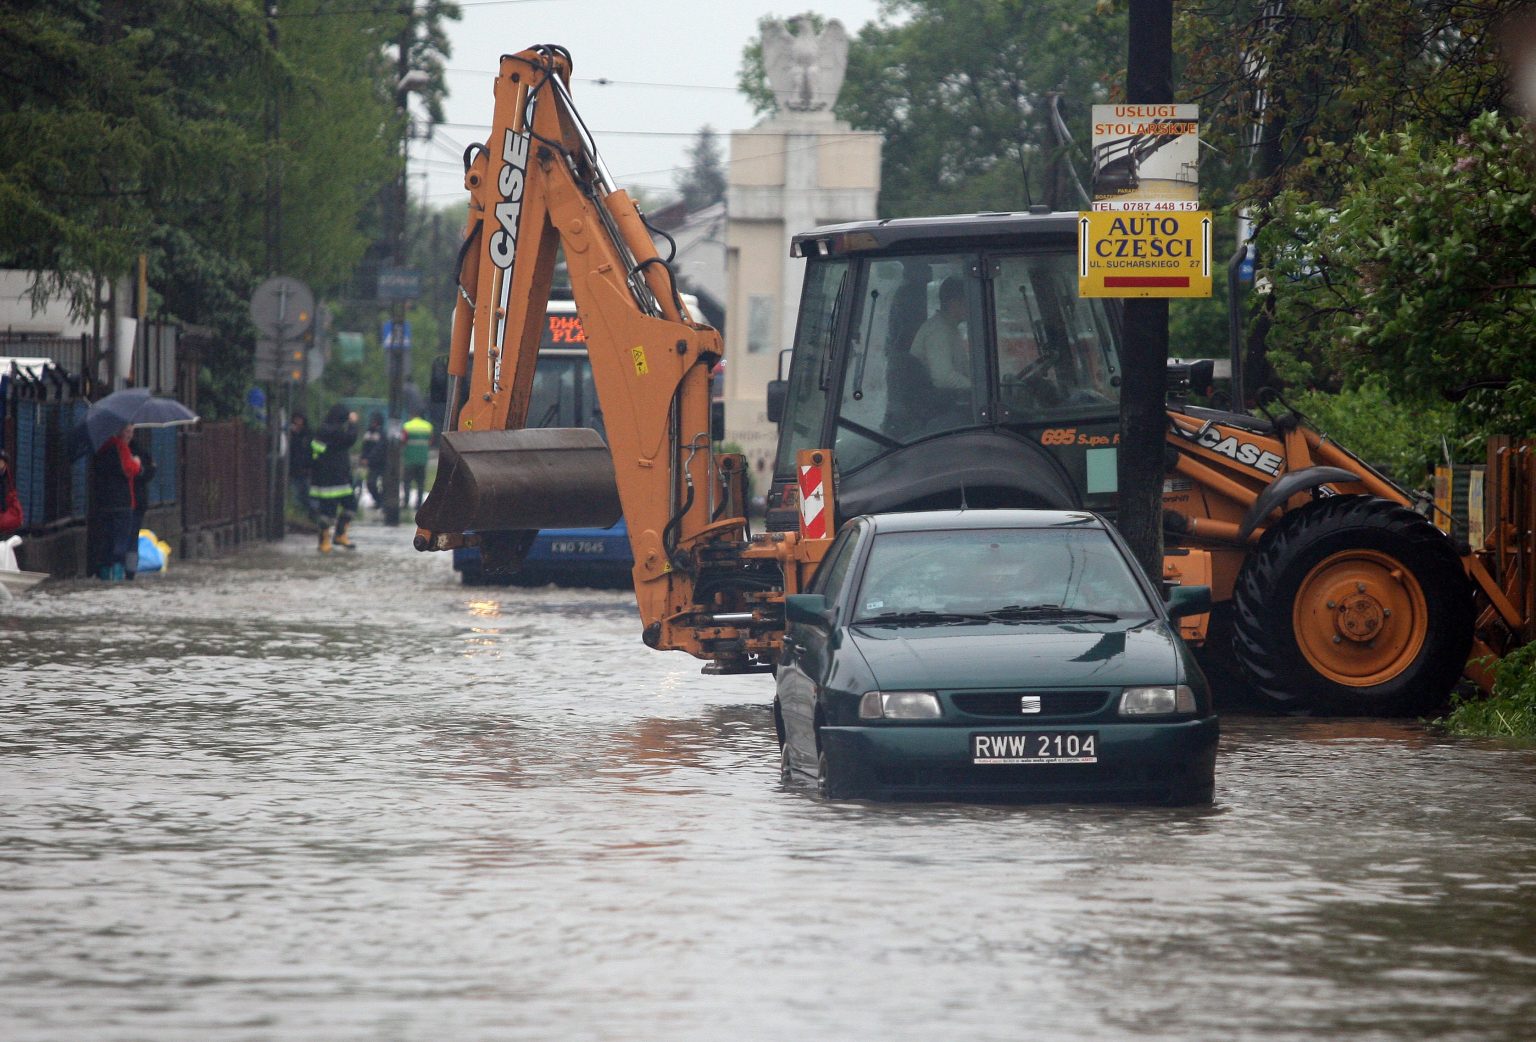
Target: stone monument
point(799, 168)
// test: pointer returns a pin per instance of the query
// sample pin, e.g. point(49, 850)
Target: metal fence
point(51, 485)
point(225, 480)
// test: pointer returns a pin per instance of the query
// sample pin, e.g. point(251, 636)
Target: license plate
point(1035, 747)
point(576, 546)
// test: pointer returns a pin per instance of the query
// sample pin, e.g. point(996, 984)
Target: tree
point(1421, 274)
point(1288, 88)
point(702, 182)
point(961, 90)
point(166, 129)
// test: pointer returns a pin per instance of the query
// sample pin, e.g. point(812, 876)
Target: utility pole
point(396, 349)
point(1143, 406)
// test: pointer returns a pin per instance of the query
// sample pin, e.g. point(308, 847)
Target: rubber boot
point(342, 539)
point(325, 539)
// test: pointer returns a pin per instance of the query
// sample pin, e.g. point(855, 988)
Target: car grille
point(1006, 704)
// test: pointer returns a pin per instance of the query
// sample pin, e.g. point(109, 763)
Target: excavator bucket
point(542, 477)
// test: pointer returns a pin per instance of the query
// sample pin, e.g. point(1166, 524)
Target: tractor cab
point(950, 360)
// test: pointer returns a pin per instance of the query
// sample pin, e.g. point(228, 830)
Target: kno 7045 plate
point(577, 546)
point(1035, 747)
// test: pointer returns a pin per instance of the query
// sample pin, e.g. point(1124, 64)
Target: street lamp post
point(397, 347)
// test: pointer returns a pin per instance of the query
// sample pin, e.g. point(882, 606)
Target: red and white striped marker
point(813, 504)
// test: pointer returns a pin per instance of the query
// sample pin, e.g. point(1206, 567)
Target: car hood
point(1012, 656)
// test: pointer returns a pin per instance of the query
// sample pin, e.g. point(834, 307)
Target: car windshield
point(1003, 574)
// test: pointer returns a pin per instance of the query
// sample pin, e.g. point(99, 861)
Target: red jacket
point(10, 517)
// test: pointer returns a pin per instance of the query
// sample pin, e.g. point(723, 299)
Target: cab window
point(1056, 351)
point(915, 355)
point(824, 295)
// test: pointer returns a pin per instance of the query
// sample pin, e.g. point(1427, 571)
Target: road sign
point(280, 361)
point(393, 343)
point(283, 308)
point(399, 283)
point(1144, 255)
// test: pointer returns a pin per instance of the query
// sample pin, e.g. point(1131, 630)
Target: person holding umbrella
point(113, 501)
point(105, 433)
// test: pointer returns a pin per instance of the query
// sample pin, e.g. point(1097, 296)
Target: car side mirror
point(1188, 600)
point(778, 394)
point(812, 609)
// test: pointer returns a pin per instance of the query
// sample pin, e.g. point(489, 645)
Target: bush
point(1402, 438)
point(1510, 712)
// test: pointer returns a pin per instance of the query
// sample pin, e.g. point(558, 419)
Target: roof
point(919, 232)
point(950, 520)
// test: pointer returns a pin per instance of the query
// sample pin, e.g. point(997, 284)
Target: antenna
point(963, 505)
point(1029, 198)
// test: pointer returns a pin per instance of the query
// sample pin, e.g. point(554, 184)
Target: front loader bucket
point(541, 477)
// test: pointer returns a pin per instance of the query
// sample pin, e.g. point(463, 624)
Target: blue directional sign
point(390, 342)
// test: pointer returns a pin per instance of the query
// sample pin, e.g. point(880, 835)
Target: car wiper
point(1049, 611)
point(919, 618)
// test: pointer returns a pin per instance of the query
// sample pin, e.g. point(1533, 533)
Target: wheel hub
point(1359, 617)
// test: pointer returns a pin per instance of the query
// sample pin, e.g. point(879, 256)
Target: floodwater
point(286, 797)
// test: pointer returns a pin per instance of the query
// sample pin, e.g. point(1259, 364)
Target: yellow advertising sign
point(1123, 254)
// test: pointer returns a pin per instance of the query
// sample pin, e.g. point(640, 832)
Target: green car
point(992, 654)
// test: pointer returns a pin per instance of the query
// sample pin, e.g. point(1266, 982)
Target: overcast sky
point(673, 64)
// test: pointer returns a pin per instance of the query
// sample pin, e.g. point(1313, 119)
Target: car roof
point(949, 520)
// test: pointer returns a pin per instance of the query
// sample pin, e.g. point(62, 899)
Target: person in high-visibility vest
point(418, 444)
point(330, 479)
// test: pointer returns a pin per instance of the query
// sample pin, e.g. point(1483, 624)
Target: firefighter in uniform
point(330, 479)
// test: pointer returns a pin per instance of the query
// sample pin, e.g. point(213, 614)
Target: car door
point(806, 656)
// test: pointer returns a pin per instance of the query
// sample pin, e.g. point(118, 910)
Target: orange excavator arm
point(701, 583)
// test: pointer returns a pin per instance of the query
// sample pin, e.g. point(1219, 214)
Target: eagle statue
point(804, 68)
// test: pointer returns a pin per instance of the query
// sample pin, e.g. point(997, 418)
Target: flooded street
point(281, 796)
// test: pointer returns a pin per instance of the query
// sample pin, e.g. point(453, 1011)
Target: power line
point(606, 81)
point(388, 8)
point(486, 127)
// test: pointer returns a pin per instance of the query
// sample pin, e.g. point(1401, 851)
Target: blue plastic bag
point(150, 557)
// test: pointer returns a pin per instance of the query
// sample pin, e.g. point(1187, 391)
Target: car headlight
point(899, 705)
point(1157, 701)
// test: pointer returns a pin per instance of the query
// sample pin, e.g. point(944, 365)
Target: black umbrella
point(134, 405)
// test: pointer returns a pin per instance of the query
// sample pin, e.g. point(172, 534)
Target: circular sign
point(283, 307)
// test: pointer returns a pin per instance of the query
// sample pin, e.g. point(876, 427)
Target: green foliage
point(1420, 275)
point(167, 129)
point(1401, 438)
point(1330, 72)
point(1510, 711)
point(961, 92)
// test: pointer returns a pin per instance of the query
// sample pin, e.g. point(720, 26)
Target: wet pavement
point(280, 796)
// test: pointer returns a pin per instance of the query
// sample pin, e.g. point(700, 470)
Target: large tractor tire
point(1353, 605)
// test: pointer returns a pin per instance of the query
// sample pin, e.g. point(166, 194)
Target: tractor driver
point(941, 344)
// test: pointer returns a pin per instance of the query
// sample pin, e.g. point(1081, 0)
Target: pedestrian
point(141, 480)
point(418, 444)
point(375, 455)
point(113, 469)
point(299, 461)
point(330, 477)
point(11, 517)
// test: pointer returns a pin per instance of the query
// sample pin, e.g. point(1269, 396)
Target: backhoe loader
point(704, 584)
point(1337, 596)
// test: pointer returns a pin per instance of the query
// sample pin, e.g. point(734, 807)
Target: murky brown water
point(285, 797)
